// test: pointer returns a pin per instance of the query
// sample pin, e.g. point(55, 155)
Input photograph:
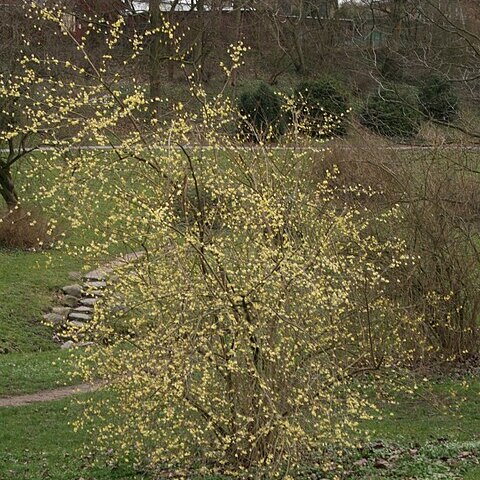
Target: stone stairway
point(77, 306)
point(78, 300)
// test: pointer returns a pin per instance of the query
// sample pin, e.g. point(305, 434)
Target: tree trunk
point(237, 5)
point(298, 41)
point(332, 8)
point(7, 188)
point(155, 47)
point(198, 47)
point(397, 22)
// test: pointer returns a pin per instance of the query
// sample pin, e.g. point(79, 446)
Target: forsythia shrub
point(244, 338)
point(247, 322)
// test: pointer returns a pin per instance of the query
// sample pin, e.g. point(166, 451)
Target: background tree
point(155, 19)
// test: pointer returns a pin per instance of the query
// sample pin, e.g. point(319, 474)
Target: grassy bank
point(28, 282)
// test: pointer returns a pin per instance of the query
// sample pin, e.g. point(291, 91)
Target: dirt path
point(47, 395)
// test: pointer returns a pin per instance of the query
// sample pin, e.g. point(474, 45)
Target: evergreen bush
point(261, 110)
point(438, 99)
point(322, 106)
point(393, 111)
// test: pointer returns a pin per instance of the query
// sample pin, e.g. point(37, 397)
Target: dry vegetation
point(437, 191)
point(25, 229)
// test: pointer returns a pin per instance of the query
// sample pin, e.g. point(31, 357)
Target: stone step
point(77, 324)
point(83, 309)
point(80, 317)
point(54, 318)
point(70, 344)
point(70, 301)
point(67, 345)
point(63, 311)
point(95, 285)
point(79, 300)
point(88, 302)
point(100, 274)
point(94, 293)
point(73, 290)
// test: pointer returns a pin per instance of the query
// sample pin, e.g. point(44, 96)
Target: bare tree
point(155, 50)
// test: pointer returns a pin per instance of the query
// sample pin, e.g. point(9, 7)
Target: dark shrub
point(261, 108)
point(392, 66)
point(24, 230)
point(322, 106)
point(438, 98)
point(393, 112)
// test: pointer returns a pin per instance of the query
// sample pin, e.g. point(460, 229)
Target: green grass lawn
point(28, 282)
point(22, 373)
point(37, 443)
point(451, 410)
point(472, 474)
point(440, 427)
point(431, 461)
